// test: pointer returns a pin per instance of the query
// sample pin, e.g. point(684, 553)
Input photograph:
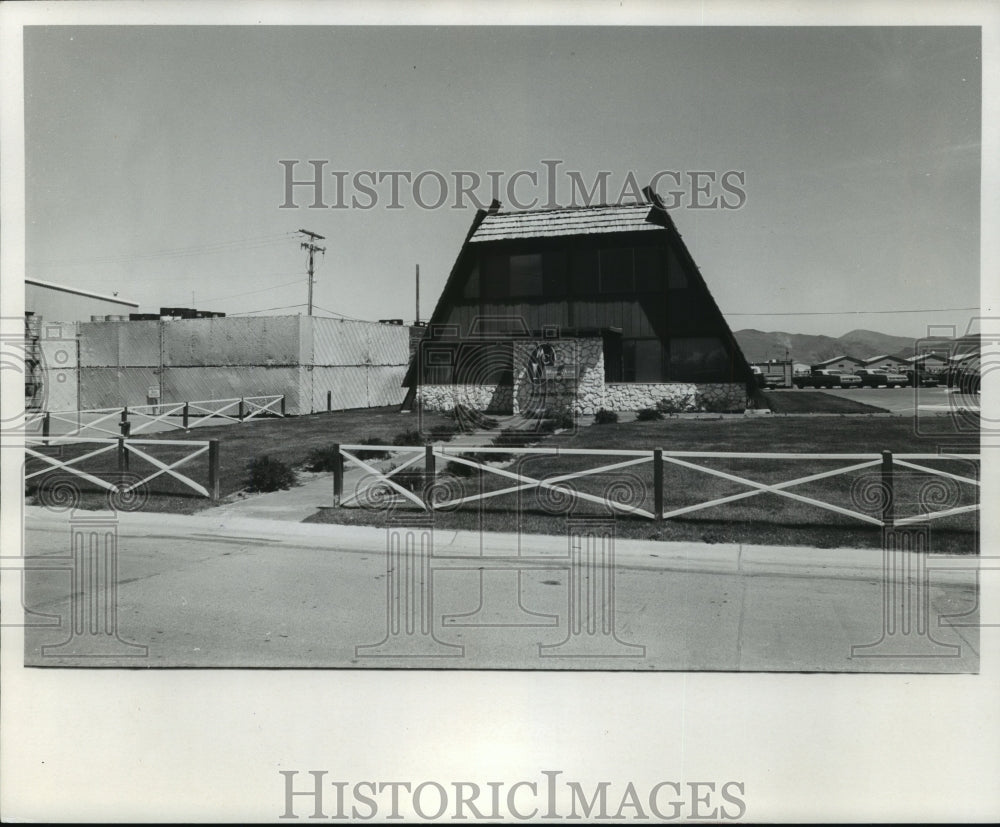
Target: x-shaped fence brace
point(246, 408)
point(54, 463)
point(678, 458)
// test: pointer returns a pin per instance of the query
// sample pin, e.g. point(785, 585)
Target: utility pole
point(417, 318)
point(313, 248)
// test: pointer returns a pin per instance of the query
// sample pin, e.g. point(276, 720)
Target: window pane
point(613, 369)
point(699, 358)
point(642, 361)
point(616, 270)
point(526, 275)
point(648, 360)
point(484, 364)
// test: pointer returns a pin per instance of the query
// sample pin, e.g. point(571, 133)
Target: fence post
point(282, 404)
point(46, 425)
point(428, 464)
point(122, 450)
point(658, 484)
point(213, 469)
point(888, 509)
point(186, 415)
point(124, 423)
point(338, 474)
point(329, 401)
point(241, 409)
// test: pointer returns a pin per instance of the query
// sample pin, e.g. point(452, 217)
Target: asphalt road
point(902, 401)
point(267, 595)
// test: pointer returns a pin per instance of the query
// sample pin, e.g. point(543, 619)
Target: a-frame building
point(592, 307)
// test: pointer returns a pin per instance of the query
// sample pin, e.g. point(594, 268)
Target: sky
point(152, 159)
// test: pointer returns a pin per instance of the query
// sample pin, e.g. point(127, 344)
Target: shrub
point(670, 406)
point(372, 440)
point(321, 459)
point(266, 474)
point(648, 415)
point(546, 426)
point(717, 404)
point(605, 417)
point(560, 417)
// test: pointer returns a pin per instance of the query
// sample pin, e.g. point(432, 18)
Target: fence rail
point(886, 462)
point(128, 420)
point(126, 449)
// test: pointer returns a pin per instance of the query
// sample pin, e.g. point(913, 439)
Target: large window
point(699, 359)
point(467, 363)
point(633, 360)
point(681, 359)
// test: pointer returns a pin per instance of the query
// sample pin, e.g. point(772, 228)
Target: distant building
point(845, 364)
point(928, 361)
point(593, 307)
point(886, 362)
point(56, 302)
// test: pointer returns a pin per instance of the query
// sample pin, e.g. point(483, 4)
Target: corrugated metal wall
point(361, 363)
point(231, 342)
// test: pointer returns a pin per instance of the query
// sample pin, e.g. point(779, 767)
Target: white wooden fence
point(430, 499)
point(128, 420)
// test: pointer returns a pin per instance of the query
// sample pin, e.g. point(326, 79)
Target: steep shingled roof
point(605, 218)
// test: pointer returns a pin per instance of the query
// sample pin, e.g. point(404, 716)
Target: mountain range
point(759, 346)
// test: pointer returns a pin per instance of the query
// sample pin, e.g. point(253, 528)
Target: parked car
point(923, 378)
point(835, 378)
point(882, 378)
point(822, 378)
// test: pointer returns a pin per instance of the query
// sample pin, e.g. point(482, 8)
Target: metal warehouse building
point(593, 307)
point(311, 360)
point(69, 304)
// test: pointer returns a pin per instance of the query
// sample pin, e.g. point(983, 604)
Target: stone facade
point(570, 372)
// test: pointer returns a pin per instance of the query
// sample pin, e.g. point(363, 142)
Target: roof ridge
point(575, 208)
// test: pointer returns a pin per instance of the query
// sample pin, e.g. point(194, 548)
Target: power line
point(266, 309)
point(341, 315)
point(251, 292)
point(858, 312)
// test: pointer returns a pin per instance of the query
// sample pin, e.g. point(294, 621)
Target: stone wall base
point(669, 397)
